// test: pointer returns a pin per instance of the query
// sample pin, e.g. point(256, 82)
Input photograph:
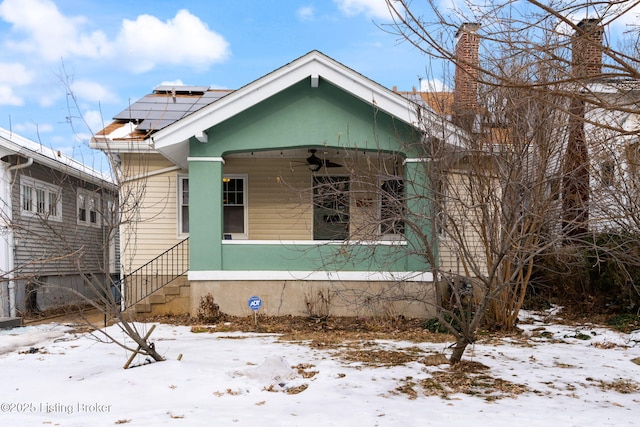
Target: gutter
point(10, 252)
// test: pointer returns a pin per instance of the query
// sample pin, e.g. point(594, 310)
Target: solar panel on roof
point(155, 111)
point(142, 109)
point(181, 89)
point(158, 124)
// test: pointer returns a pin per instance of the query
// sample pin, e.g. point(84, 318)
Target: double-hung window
point(39, 198)
point(88, 205)
point(183, 205)
point(234, 201)
point(234, 206)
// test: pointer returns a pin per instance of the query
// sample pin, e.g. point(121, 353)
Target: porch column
point(205, 213)
point(419, 203)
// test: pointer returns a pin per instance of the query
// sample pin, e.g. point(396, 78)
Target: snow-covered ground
point(575, 376)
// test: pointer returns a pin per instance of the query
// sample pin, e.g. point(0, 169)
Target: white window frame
point(97, 203)
point(179, 204)
point(48, 191)
point(245, 193)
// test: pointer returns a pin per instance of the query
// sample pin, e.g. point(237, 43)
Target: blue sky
point(114, 52)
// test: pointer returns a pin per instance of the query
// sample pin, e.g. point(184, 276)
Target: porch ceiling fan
point(315, 162)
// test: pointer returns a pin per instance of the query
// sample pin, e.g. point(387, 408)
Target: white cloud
point(48, 33)
point(94, 120)
point(433, 85)
point(41, 30)
point(48, 99)
point(374, 8)
point(91, 91)
point(32, 128)
point(183, 40)
point(7, 97)
point(306, 13)
point(15, 74)
point(11, 75)
point(629, 19)
point(177, 82)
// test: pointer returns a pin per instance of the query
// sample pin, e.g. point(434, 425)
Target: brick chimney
point(465, 93)
point(587, 49)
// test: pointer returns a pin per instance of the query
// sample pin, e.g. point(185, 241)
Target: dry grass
point(624, 386)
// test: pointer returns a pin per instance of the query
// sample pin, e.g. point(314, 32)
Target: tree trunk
point(458, 350)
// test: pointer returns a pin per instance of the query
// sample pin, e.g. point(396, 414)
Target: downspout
point(11, 240)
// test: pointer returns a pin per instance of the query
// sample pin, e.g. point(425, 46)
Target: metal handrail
point(157, 273)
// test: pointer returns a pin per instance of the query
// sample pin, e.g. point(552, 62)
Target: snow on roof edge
point(66, 162)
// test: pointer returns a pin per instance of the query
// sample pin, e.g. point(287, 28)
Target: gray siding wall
point(45, 247)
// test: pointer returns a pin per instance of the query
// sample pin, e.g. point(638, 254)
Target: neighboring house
point(613, 143)
point(53, 225)
point(285, 188)
point(600, 140)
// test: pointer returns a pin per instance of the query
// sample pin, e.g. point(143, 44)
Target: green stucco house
point(307, 187)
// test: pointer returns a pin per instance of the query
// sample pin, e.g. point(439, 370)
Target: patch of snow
point(235, 380)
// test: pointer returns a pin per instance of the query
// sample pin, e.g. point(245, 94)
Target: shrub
point(208, 310)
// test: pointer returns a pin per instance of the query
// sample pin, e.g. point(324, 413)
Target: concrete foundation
point(318, 298)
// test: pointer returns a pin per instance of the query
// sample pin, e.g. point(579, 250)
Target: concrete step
point(173, 298)
point(157, 298)
point(143, 307)
point(171, 290)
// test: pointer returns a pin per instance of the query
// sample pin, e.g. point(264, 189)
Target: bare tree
point(77, 236)
point(532, 107)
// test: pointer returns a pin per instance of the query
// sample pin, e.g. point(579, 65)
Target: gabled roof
point(168, 130)
point(12, 143)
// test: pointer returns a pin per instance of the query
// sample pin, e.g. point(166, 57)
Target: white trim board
point(335, 276)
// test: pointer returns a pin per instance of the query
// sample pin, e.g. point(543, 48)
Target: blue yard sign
point(255, 303)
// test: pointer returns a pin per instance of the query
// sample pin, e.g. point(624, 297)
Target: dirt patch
point(620, 385)
point(470, 378)
point(317, 332)
point(378, 357)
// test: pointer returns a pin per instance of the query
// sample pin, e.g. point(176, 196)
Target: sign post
point(254, 304)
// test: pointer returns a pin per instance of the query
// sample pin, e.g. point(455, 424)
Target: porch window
point(88, 204)
point(183, 205)
point(39, 198)
point(234, 195)
point(392, 207)
point(330, 207)
point(234, 200)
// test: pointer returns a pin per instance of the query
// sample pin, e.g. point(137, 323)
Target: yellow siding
point(468, 222)
point(279, 198)
point(151, 205)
